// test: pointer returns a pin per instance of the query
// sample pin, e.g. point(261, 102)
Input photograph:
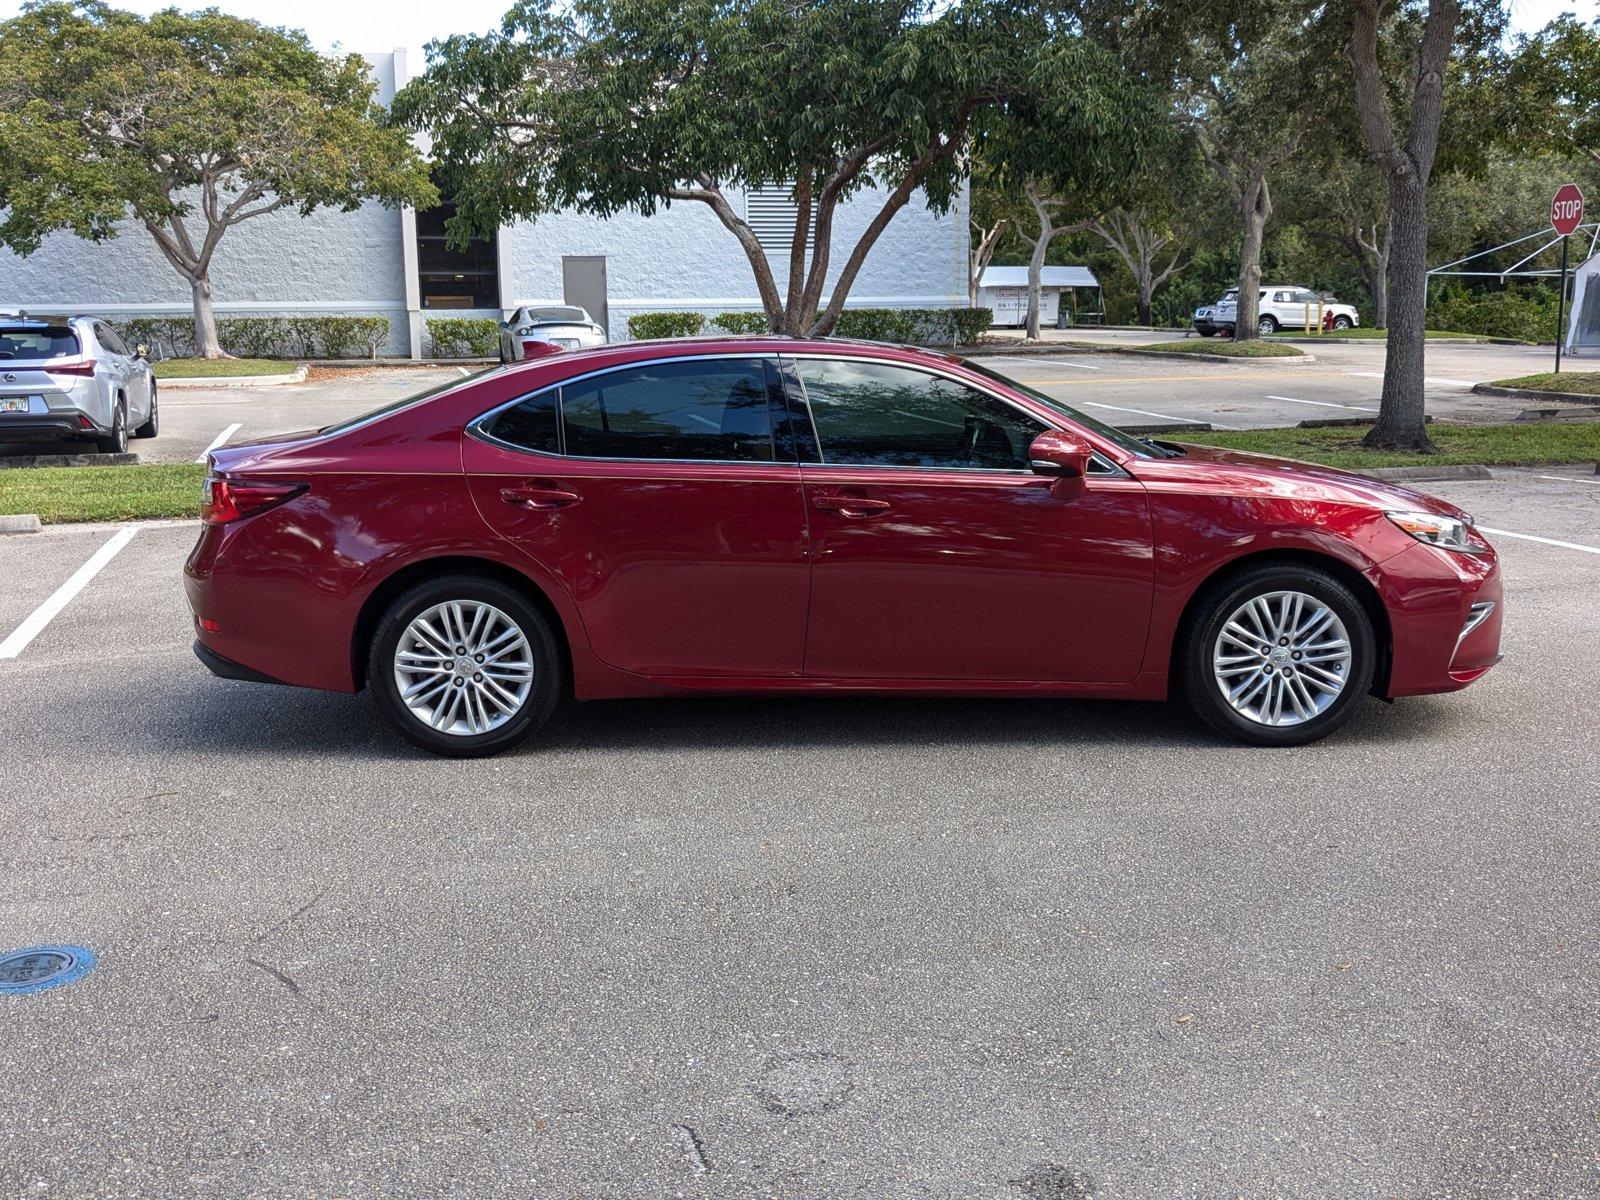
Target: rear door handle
point(851, 506)
point(533, 495)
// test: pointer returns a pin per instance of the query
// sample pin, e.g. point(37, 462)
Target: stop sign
point(1566, 210)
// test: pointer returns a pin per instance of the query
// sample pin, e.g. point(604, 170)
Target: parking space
point(807, 948)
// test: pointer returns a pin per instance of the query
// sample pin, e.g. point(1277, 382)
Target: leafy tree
point(1252, 82)
point(1552, 90)
point(1403, 138)
point(602, 106)
point(189, 122)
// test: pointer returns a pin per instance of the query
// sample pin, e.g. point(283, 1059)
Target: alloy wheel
point(463, 667)
point(1282, 658)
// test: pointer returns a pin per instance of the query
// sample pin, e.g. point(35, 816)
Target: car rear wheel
point(1267, 326)
point(1206, 332)
point(117, 441)
point(464, 666)
point(153, 426)
point(1341, 323)
point(1278, 656)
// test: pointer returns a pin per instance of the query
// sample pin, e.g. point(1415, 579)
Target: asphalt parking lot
point(807, 948)
point(1345, 381)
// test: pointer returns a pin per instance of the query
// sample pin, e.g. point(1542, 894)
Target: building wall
point(355, 263)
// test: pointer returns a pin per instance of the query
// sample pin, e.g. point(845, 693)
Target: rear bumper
point(54, 427)
point(226, 668)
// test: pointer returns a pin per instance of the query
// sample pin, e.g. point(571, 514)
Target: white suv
point(1281, 307)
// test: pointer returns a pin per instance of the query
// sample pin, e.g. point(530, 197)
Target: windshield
point(35, 343)
point(1111, 434)
point(397, 405)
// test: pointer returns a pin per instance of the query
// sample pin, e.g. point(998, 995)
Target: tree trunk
point(1147, 288)
point(205, 322)
point(1401, 424)
point(1380, 291)
point(1035, 274)
point(1255, 207)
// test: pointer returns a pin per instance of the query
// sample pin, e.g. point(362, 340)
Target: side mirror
point(141, 351)
point(1058, 455)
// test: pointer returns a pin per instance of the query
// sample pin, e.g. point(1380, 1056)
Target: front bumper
point(1445, 634)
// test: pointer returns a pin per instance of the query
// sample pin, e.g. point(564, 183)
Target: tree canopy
point(189, 122)
point(606, 105)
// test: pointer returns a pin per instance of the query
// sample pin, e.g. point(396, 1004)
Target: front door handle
point(851, 506)
point(536, 495)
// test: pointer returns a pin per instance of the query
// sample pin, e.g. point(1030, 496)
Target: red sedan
point(772, 516)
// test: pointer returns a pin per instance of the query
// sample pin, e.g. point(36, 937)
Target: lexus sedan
point(73, 379)
point(772, 516)
point(533, 332)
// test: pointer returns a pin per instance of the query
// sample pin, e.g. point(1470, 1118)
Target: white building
point(1005, 290)
point(377, 261)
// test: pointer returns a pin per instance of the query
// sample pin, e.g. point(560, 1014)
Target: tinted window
point(109, 339)
point(528, 425)
point(37, 343)
point(869, 414)
point(714, 409)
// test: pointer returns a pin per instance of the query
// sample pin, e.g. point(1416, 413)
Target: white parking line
point(1428, 379)
point(31, 628)
point(1324, 403)
point(1571, 479)
point(1164, 416)
point(464, 371)
point(1528, 537)
point(218, 440)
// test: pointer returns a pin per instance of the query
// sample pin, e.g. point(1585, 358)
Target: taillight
point(70, 366)
point(224, 500)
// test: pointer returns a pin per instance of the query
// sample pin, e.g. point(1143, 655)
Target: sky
point(362, 25)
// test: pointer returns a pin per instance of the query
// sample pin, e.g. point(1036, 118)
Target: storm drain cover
point(39, 967)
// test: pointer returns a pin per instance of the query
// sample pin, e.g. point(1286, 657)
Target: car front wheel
point(464, 666)
point(1279, 656)
point(1341, 323)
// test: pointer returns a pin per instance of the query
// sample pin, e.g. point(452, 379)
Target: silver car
point(73, 379)
point(532, 331)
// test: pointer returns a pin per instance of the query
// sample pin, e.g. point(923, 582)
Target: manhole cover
point(39, 967)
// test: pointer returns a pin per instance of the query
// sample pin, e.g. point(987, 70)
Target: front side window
point(708, 409)
point(872, 414)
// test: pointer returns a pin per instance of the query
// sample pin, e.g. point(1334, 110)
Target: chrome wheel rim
point(463, 668)
point(1282, 658)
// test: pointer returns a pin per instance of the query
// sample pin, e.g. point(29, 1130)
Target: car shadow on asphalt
point(250, 719)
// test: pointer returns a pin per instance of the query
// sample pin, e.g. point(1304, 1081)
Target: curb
point(1079, 348)
point(298, 375)
point(1167, 427)
point(1430, 474)
point(20, 523)
point(1344, 422)
point(400, 364)
point(1579, 398)
point(69, 460)
point(1589, 412)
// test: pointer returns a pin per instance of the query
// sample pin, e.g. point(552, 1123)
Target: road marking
point(464, 371)
point(46, 612)
point(218, 440)
point(1427, 379)
point(1147, 413)
point(1528, 537)
point(1324, 403)
point(1570, 479)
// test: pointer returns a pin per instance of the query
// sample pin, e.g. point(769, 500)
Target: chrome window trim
point(474, 426)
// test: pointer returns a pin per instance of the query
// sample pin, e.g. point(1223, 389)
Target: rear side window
point(869, 414)
point(707, 410)
point(25, 344)
point(530, 424)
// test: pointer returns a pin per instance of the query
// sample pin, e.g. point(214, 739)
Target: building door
point(583, 282)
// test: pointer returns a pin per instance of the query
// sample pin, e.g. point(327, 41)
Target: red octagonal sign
point(1566, 210)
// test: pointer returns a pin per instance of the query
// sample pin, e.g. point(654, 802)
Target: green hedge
point(262, 337)
point(464, 337)
point(742, 322)
point(1525, 313)
point(915, 326)
point(650, 326)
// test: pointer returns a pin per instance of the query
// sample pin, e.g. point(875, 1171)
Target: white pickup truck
point(1281, 307)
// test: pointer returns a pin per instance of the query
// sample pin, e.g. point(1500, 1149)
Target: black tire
point(1206, 332)
point(153, 426)
point(1267, 326)
point(117, 441)
point(1341, 323)
point(1199, 685)
point(548, 675)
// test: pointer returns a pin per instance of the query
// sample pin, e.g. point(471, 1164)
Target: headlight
point(1448, 533)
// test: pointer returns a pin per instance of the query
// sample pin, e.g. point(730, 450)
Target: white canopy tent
point(1543, 262)
point(1005, 290)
